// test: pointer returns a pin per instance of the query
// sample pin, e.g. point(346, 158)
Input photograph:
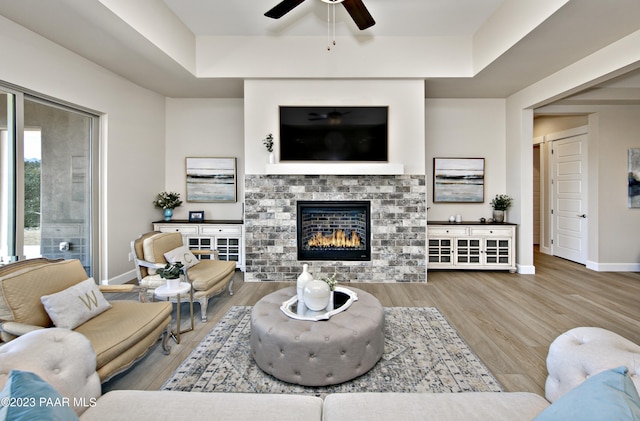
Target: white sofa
point(64, 359)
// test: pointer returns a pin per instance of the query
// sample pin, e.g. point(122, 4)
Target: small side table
point(165, 292)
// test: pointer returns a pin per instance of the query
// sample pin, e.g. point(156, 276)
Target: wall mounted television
point(334, 133)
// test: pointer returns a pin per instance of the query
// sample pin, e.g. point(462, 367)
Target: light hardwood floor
point(509, 320)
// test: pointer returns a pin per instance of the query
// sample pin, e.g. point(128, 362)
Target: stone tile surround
point(398, 226)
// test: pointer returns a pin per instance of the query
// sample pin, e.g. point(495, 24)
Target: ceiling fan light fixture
point(331, 21)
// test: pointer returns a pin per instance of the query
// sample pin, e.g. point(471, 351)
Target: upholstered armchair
point(208, 277)
point(41, 293)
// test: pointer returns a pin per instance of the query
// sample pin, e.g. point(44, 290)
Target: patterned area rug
point(422, 353)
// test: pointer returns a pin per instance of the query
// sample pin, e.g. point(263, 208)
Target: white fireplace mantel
point(335, 168)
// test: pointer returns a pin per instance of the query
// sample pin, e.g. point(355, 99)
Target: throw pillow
point(609, 395)
point(183, 255)
point(26, 396)
point(75, 305)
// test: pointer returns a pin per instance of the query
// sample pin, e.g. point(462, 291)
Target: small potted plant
point(172, 272)
point(500, 204)
point(268, 143)
point(167, 201)
point(331, 281)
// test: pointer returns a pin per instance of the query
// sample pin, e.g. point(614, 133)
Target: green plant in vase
point(171, 272)
point(167, 201)
point(500, 204)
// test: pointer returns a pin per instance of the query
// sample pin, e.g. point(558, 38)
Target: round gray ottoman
point(317, 353)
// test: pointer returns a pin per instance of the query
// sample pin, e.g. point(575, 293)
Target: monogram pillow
point(75, 305)
point(183, 255)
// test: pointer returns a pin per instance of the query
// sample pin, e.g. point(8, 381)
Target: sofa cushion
point(609, 395)
point(22, 289)
point(208, 273)
point(183, 255)
point(153, 405)
point(31, 398)
point(75, 305)
point(111, 334)
point(433, 406)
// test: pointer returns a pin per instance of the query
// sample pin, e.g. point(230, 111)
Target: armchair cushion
point(183, 255)
point(75, 305)
point(209, 273)
point(607, 395)
point(34, 399)
point(155, 246)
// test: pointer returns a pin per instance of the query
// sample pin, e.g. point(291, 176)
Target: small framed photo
point(196, 216)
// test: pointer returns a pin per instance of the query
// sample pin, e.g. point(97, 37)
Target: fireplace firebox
point(334, 230)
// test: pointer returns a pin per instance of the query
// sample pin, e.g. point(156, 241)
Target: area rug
point(422, 353)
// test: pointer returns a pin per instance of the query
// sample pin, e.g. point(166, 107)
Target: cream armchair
point(209, 277)
point(120, 334)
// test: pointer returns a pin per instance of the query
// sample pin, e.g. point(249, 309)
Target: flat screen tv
point(333, 133)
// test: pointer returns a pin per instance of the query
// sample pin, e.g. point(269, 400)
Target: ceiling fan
point(356, 9)
point(332, 117)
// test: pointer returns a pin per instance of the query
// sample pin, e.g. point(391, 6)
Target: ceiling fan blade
point(282, 8)
point(359, 13)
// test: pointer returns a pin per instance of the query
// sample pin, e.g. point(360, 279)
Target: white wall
point(466, 128)
point(132, 148)
point(204, 128)
point(405, 99)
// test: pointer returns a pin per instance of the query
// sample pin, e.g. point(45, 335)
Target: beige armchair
point(120, 335)
point(209, 277)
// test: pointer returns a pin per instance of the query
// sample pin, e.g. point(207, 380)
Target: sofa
point(120, 331)
point(64, 360)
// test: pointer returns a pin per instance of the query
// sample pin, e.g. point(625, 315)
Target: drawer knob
point(447, 231)
point(490, 231)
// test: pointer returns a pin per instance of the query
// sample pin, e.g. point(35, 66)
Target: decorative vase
point(498, 216)
point(168, 213)
point(304, 278)
point(330, 306)
point(316, 295)
point(173, 283)
point(272, 158)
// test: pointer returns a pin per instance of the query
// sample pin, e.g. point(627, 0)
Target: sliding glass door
point(49, 165)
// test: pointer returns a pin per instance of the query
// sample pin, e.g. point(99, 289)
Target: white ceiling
point(94, 31)
point(393, 18)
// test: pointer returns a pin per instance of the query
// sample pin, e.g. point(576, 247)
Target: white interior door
point(569, 200)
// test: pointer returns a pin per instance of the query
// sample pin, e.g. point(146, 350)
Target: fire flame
point(336, 239)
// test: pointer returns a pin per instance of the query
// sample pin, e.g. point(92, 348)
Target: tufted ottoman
point(317, 353)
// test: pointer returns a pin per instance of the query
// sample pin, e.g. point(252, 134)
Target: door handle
point(584, 215)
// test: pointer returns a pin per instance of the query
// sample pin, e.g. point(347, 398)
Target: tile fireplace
point(333, 230)
point(396, 236)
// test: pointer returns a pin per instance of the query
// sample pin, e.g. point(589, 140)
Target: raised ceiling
point(206, 48)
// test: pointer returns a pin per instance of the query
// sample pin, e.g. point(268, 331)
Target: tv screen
point(333, 133)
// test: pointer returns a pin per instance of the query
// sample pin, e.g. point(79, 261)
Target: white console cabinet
point(471, 246)
point(227, 237)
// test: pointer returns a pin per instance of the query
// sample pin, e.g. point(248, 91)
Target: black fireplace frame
point(334, 254)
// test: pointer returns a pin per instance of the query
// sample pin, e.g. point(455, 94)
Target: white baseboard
point(121, 279)
point(613, 267)
point(526, 269)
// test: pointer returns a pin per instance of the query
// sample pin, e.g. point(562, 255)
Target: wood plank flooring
point(509, 320)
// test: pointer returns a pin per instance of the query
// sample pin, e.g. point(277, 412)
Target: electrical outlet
point(64, 246)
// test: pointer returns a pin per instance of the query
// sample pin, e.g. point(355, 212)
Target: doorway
point(48, 203)
point(562, 168)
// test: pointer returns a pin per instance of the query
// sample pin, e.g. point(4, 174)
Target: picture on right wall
point(633, 178)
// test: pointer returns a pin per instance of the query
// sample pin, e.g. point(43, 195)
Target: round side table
point(165, 292)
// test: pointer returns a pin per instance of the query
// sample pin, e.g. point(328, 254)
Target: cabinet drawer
point(491, 231)
point(182, 229)
point(441, 230)
point(221, 229)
